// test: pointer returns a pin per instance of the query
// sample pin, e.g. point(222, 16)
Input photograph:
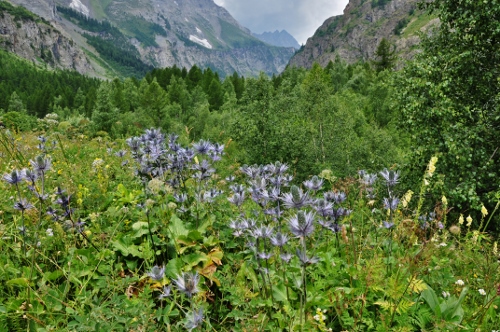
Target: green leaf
point(195, 258)
point(279, 293)
point(18, 282)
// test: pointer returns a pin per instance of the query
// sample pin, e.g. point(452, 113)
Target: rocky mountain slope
point(157, 33)
point(278, 38)
point(356, 34)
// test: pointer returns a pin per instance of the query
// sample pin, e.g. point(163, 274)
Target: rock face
point(166, 33)
point(356, 34)
point(41, 43)
point(278, 38)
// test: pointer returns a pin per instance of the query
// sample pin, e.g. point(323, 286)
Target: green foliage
point(385, 54)
point(18, 121)
point(448, 101)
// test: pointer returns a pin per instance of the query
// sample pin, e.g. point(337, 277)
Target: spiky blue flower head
point(30, 175)
point(194, 319)
point(41, 164)
point(315, 183)
point(121, 153)
point(237, 198)
point(391, 204)
point(368, 179)
point(14, 178)
point(296, 198)
point(264, 255)
point(279, 239)
point(251, 171)
point(286, 257)
point(187, 283)
point(203, 147)
point(391, 178)
point(387, 225)
point(302, 224)
point(157, 273)
point(42, 139)
point(237, 188)
point(323, 208)
point(261, 232)
point(23, 205)
point(304, 260)
point(165, 292)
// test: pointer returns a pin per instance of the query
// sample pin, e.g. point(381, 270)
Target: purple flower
point(391, 204)
point(301, 224)
point(187, 283)
point(41, 165)
point(165, 292)
point(286, 257)
point(387, 225)
point(194, 320)
point(391, 178)
point(14, 177)
point(23, 205)
point(157, 273)
point(279, 240)
point(315, 183)
point(304, 259)
point(296, 198)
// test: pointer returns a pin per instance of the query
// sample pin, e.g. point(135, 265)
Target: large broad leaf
point(140, 228)
point(194, 259)
point(174, 268)
point(279, 293)
point(432, 300)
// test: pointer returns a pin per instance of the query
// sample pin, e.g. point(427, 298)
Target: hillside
point(158, 34)
point(356, 34)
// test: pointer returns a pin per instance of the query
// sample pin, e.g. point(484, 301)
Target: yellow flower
point(444, 200)
point(484, 212)
point(406, 198)
point(469, 220)
point(495, 248)
point(431, 168)
point(461, 219)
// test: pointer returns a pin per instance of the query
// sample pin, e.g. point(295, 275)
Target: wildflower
point(264, 255)
point(446, 294)
point(296, 198)
point(444, 200)
point(431, 168)
point(97, 163)
point(304, 259)
point(157, 273)
point(391, 204)
point(40, 164)
point(314, 184)
point(203, 147)
point(461, 219)
point(469, 221)
point(301, 224)
point(482, 291)
point(188, 283)
point(459, 282)
point(165, 292)
point(261, 232)
point(286, 257)
point(194, 319)
point(49, 232)
point(391, 178)
point(279, 240)
point(23, 205)
point(495, 248)
point(237, 198)
point(406, 198)
point(484, 212)
point(13, 178)
point(387, 225)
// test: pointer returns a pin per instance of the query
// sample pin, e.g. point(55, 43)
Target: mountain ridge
point(184, 33)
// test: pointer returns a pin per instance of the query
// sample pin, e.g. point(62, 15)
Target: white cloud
point(300, 18)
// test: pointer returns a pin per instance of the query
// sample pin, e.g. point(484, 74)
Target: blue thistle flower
point(302, 224)
point(302, 255)
point(41, 165)
point(296, 198)
point(279, 239)
point(165, 292)
point(387, 225)
point(194, 319)
point(315, 183)
point(14, 178)
point(187, 283)
point(157, 273)
point(23, 205)
point(391, 178)
point(391, 204)
point(203, 147)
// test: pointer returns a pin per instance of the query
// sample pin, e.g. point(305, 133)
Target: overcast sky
point(300, 18)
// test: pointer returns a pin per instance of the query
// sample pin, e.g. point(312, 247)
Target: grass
point(357, 264)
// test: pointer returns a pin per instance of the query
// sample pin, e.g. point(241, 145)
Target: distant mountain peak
point(278, 38)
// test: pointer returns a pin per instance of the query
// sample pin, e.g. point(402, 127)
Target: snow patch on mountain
point(80, 7)
point(202, 42)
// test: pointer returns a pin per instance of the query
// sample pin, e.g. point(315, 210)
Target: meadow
point(156, 233)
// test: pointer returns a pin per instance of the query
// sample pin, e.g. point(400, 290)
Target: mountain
point(278, 38)
point(356, 34)
point(129, 37)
